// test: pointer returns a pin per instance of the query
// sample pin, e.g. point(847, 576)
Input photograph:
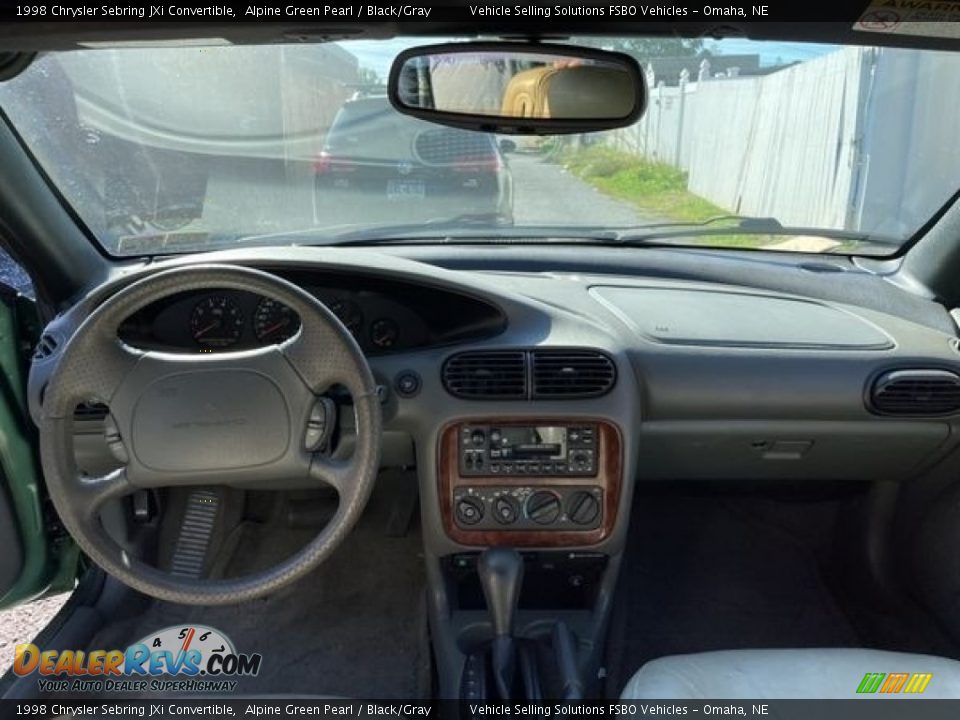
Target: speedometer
point(274, 322)
point(216, 322)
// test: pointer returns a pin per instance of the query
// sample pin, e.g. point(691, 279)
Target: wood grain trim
point(609, 476)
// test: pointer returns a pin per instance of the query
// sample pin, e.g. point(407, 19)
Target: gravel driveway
point(22, 624)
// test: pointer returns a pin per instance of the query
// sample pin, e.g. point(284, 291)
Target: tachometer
point(349, 313)
point(216, 322)
point(274, 322)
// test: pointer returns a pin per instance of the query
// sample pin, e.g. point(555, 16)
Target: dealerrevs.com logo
point(192, 658)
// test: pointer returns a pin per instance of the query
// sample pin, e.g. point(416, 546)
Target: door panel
point(36, 557)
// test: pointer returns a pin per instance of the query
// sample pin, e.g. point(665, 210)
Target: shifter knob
point(501, 575)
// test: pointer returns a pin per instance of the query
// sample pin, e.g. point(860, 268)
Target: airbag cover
point(206, 420)
point(711, 318)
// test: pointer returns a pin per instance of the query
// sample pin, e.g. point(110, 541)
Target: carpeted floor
point(705, 570)
point(356, 627)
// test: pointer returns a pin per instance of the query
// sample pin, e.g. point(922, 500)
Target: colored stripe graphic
point(892, 683)
point(871, 682)
point(918, 682)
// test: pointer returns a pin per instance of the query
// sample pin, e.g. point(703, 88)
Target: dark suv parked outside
point(391, 168)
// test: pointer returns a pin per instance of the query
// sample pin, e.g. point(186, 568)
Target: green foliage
point(657, 189)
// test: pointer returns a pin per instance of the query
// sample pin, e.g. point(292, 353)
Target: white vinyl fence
point(861, 138)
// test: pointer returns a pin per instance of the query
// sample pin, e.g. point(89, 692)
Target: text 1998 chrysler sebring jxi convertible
point(482, 368)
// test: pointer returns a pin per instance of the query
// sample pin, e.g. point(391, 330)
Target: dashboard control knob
point(469, 510)
point(407, 383)
point(478, 437)
point(505, 509)
point(579, 460)
point(543, 507)
point(583, 507)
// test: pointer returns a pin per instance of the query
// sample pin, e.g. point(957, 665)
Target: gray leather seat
point(786, 674)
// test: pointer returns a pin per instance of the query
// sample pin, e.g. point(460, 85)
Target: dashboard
point(720, 372)
point(383, 316)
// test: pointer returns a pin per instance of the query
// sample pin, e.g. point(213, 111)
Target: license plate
point(406, 190)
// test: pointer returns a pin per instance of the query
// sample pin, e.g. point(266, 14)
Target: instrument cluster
point(224, 320)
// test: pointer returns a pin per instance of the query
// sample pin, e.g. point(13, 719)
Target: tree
point(368, 76)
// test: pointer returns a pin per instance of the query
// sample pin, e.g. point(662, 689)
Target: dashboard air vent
point(572, 374)
point(916, 392)
point(498, 375)
point(46, 347)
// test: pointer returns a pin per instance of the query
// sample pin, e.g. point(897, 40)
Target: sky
point(378, 54)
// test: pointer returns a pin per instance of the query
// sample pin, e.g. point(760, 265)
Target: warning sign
point(930, 18)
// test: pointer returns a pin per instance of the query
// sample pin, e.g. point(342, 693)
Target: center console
point(532, 503)
point(537, 482)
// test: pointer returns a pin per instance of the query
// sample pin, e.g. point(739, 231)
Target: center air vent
point(571, 374)
point(916, 392)
point(498, 375)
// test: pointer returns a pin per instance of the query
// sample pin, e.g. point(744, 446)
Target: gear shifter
point(501, 575)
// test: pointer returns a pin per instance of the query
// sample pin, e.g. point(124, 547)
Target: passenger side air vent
point(916, 392)
point(572, 374)
point(46, 347)
point(500, 375)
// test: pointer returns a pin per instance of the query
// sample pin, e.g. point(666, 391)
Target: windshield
point(164, 150)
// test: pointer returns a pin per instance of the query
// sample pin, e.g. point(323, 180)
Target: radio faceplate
point(509, 450)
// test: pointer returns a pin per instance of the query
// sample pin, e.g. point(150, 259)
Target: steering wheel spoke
point(338, 474)
point(91, 494)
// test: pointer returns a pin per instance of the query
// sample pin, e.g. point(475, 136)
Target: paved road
point(546, 194)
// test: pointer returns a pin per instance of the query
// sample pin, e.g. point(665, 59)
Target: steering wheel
point(226, 418)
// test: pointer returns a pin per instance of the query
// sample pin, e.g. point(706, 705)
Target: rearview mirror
point(518, 88)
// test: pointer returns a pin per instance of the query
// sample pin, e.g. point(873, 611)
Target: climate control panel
point(512, 507)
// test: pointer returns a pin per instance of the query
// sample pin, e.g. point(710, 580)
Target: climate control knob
point(583, 507)
point(469, 510)
point(543, 507)
point(505, 509)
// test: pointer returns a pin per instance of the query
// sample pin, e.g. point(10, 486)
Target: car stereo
point(531, 450)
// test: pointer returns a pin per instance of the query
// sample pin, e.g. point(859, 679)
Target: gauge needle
point(207, 329)
point(274, 328)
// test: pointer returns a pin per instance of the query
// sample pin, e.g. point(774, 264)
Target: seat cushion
point(834, 673)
